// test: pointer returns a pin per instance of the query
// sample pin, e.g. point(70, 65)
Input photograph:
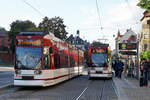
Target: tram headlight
point(18, 71)
point(37, 72)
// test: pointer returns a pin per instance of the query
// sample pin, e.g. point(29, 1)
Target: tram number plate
point(27, 77)
point(99, 72)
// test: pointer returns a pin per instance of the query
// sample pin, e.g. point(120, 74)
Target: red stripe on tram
point(45, 79)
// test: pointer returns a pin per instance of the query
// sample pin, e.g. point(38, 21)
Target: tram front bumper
point(109, 75)
point(28, 83)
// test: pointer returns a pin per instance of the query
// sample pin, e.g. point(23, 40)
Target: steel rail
point(102, 91)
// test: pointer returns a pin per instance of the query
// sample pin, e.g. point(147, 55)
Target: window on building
point(145, 36)
point(145, 47)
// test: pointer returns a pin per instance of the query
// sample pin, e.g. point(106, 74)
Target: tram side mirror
point(50, 50)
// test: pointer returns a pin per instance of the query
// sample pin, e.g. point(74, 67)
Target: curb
point(6, 68)
point(6, 86)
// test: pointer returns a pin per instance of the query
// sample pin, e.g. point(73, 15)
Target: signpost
point(130, 49)
point(127, 46)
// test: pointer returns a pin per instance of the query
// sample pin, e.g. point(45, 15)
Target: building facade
point(5, 55)
point(78, 42)
point(145, 35)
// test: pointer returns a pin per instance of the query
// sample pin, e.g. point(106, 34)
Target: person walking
point(146, 68)
point(119, 66)
point(115, 68)
point(142, 73)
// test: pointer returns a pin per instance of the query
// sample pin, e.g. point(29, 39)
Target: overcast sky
point(78, 15)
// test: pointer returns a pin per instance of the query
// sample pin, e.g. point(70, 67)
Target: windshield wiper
point(21, 66)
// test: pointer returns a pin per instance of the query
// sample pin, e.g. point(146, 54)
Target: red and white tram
point(99, 62)
point(41, 59)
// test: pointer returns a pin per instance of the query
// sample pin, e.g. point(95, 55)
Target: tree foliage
point(145, 55)
point(18, 26)
point(145, 4)
point(54, 25)
point(2, 29)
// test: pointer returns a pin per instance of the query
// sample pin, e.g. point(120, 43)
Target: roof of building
point(119, 34)
point(129, 36)
point(70, 38)
point(146, 14)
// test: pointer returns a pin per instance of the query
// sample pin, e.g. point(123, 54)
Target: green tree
point(18, 26)
point(2, 29)
point(54, 25)
point(145, 4)
point(145, 55)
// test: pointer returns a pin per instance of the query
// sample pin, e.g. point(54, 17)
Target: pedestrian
point(146, 68)
point(141, 65)
point(115, 68)
point(120, 68)
point(141, 70)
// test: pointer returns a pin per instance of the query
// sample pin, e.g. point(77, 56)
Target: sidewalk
point(6, 68)
point(6, 76)
point(129, 89)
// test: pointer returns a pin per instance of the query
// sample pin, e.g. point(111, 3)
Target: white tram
point(41, 59)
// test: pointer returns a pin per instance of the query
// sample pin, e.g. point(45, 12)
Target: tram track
point(102, 91)
point(79, 88)
point(98, 90)
point(87, 89)
point(82, 92)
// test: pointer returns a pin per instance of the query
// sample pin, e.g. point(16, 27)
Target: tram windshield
point(98, 60)
point(28, 57)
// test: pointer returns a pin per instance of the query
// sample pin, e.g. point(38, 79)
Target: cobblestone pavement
point(129, 89)
point(79, 88)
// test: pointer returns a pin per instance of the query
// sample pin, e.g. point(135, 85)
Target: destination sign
point(29, 42)
point(99, 50)
point(127, 46)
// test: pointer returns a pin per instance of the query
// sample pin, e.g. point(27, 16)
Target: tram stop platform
point(129, 89)
point(6, 76)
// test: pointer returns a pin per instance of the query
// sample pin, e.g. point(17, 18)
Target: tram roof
point(36, 33)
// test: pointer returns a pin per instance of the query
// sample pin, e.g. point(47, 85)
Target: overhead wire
point(98, 12)
point(35, 9)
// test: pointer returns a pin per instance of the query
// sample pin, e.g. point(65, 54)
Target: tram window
point(47, 62)
point(46, 51)
point(56, 61)
point(62, 61)
point(66, 61)
point(72, 62)
point(50, 50)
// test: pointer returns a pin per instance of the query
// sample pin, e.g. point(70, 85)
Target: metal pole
point(149, 35)
point(137, 59)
